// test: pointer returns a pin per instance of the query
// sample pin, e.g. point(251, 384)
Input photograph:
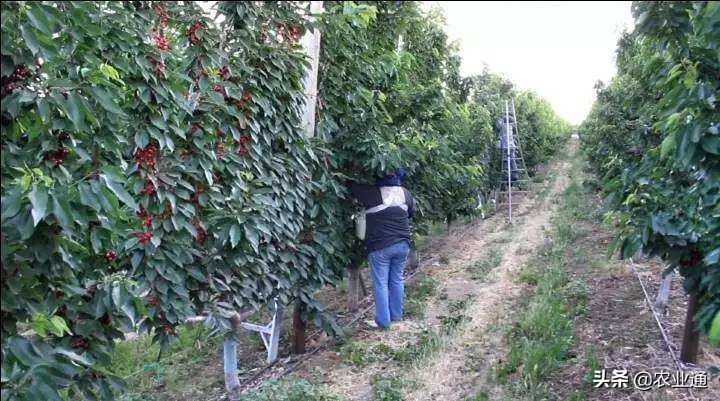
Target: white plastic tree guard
point(270, 334)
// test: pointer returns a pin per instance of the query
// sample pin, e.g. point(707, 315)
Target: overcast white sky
point(557, 49)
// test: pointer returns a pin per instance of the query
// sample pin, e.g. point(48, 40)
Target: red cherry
point(110, 255)
point(144, 237)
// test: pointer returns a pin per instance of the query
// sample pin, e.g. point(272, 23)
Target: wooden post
point(311, 45)
point(299, 326)
point(691, 335)
point(353, 286)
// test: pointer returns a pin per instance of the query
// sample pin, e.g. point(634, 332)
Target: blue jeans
point(387, 267)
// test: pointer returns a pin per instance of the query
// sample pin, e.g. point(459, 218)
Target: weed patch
point(289, 389)
point(417, 296)
point(387, 387)
point(481, 268)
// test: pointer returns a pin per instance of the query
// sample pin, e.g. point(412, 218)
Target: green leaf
point(714, 333)
point(106, 101)
point(58, 326)
point(712, 257)
point(73, 356)
point(25, 182)
point(252, 235)
point(39, 20)
point(30, 39)
point(73, 105)
point(114, 173)
point(234, 235)
point(39, 199)
point(668, 146)
point(40, 324)
point(88, 198)
point(11, 203)
point(95, 240)
point(43, 110)
point(21, 349)
point(61, 210)
point(120, 192)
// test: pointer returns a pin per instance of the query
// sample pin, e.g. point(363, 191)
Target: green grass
point(289, 389)
point(424, 234)
point(362, 354)
point(417, 295)
point(591, 365)
point(480, 396)
point(480, 269)
point(137, 362)
point(387, 387)
point(459, 305)
point(429, 341)
point(426, 344)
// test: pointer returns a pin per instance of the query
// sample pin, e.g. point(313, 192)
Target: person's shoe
point(373, 325)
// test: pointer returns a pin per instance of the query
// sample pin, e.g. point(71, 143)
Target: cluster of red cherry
point(242, 143)
point(110, 255)
point(192, 32)
point(201, 233)
point(224, 72)
point(196, 196)
point(144, 237)
point(158, 67)
point(289, 34)
point(58, 155)
point(15, 80)
point(146, 156)
point(162, 15)
point(148, 188)
point(145, 217)
point(219, 145)
point(157, 34)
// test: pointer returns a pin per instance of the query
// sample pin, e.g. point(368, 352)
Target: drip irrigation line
point(680, 366)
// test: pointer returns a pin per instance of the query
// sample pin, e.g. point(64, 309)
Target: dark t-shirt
point(389, 225)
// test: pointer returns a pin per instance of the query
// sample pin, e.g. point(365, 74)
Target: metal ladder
point(505, 192)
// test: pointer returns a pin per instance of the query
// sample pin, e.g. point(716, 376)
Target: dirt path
point(443, 376)
point(490, 302)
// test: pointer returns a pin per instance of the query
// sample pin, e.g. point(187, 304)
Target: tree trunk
point(691, 336)
point(413, 261)
point(232, 382)
point(299, 326)
point(353, 286)
point(663, 294)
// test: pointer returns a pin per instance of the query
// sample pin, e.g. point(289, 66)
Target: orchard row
point(154, 166)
